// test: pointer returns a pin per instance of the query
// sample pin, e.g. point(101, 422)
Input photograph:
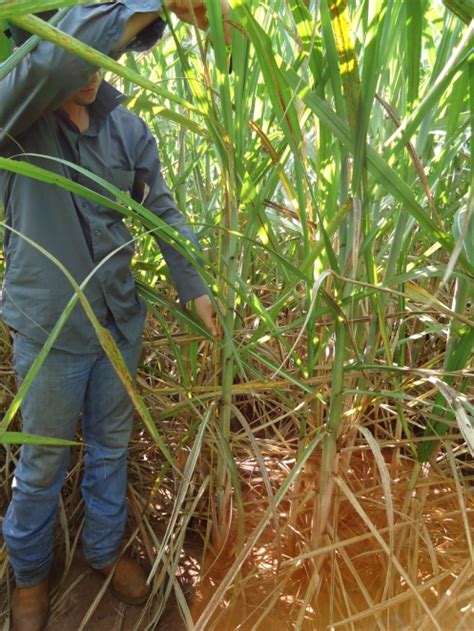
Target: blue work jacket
point(80, 233)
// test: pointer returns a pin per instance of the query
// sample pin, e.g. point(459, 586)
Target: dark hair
point(18, 35)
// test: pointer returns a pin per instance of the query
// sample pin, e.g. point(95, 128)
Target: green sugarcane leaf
point(15, 8)
point(22, 438)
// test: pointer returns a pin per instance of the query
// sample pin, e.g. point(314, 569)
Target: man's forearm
point(135, 25)
point(191, 11)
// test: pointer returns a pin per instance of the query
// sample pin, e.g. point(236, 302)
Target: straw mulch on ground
point(293, 576)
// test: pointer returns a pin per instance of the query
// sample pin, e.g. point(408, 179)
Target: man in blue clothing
point(57, 105)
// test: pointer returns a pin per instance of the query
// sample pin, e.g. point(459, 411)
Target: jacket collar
point(108, 98)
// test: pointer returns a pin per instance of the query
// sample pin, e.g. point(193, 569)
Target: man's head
point(88, 93)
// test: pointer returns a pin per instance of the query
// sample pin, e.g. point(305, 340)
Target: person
point(56, 104)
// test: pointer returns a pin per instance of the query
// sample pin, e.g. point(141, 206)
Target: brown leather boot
point(30, 607)
point(128, 582)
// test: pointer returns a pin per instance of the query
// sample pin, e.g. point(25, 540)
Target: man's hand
point(206, 313)
point(194, 12)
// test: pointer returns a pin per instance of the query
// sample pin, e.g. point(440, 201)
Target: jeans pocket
point(25, 351)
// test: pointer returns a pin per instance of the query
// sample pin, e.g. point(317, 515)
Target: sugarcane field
point(236, 315)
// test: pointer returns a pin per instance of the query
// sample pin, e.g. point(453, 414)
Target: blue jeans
point(66, 385)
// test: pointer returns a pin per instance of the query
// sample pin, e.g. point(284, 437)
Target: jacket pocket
point(123, 180)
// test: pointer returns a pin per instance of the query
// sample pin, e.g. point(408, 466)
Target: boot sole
point(130, 600)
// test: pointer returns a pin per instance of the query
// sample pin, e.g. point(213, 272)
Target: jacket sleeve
point(151, 190)
point(48, 75)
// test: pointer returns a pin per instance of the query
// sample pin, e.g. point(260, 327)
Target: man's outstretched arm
point(151, 190)
point(190, 11)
